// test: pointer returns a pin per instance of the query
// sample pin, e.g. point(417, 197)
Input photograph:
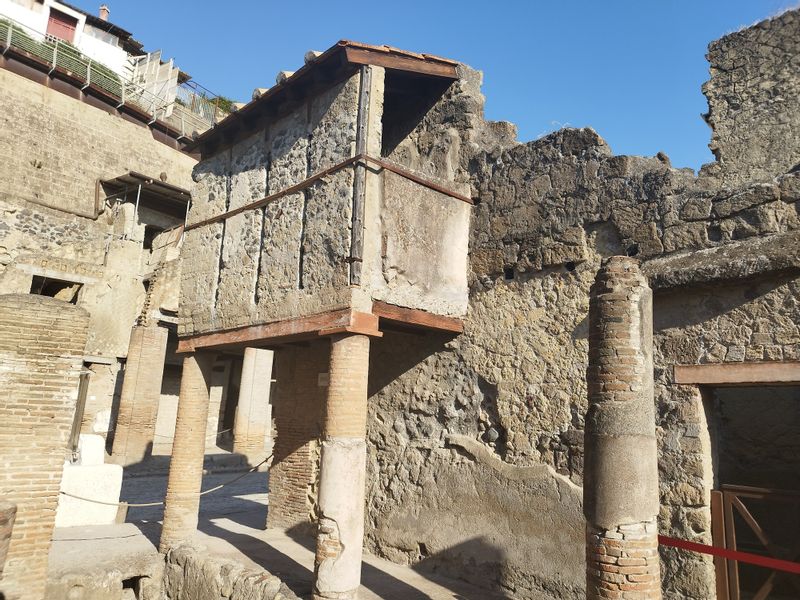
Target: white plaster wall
point(110, 55)
point(31, 14)
point(35, 16)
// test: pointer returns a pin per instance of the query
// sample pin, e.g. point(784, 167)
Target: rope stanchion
point(161, 503)
point(746, 557)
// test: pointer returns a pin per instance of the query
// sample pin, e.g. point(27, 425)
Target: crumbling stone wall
point(514, 382)
point(754, 100)
point(751, 320)
point(191, 574)
point(42, 342)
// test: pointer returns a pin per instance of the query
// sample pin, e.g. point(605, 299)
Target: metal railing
point(192, 107)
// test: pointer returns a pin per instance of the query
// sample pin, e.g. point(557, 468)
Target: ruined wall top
point(754, 100)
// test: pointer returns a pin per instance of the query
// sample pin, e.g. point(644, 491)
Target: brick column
point(252, 422)
point(141, 390)
point(42, 343)
point(340, 535)
point(621, 500)
point(188, 450)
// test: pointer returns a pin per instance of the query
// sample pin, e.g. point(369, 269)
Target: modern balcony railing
point(187, 108)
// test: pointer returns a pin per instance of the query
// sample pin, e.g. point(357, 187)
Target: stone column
point(252, 422)
point(620, 493)
point(340, 535)
point(141, 390)
point(188, 449)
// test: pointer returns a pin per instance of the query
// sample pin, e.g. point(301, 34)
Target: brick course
point(298, 421)
point(42, 342)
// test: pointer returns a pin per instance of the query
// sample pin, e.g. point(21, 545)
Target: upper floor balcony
point(302, 219)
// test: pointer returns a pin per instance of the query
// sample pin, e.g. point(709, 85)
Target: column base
point(623, 562)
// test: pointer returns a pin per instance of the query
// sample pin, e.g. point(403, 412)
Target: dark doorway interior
point(756, 444)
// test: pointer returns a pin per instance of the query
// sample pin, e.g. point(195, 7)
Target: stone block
point(95, 482)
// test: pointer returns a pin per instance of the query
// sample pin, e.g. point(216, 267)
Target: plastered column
point(141, 390)
point(252, 422)
point(621, 500)
point(188, 449)
point(340, 536)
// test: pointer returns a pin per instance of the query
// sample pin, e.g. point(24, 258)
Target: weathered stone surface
point(511, 389)
point(241, 246)
point(329, 203)
point(730, 262)
point(191, 574)
point(753, 105)
point(424, 241)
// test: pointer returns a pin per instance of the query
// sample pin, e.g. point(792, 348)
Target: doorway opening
point(755, 435)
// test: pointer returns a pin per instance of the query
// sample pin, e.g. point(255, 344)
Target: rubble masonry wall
point(511, 389)
point(754, 100)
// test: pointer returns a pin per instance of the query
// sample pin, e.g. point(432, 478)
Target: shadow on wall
point(390, 587)
point(676, 309)
point(386, 364)
point(471, 558)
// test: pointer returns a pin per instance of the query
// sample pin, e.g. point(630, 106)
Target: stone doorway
point(755, 437)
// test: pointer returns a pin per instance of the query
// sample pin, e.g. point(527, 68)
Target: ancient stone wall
point(42, 343)
point(54, 148)
point(288, 258)
point(191, 574)
point(423, 248)
point(52, 152)
point(513, 384)
point(752, 320)
point(754, 100)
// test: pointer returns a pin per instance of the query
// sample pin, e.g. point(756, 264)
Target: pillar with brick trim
point(621, 498)
point(340, 535)
point(188, 450)
point(135, 427)
point(252, 421)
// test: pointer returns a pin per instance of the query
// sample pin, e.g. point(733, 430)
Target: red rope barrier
point(745, 557)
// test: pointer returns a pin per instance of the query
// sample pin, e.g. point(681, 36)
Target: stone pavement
point(231, 526)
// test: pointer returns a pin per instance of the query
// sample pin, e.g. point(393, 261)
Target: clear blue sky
point(632, 70)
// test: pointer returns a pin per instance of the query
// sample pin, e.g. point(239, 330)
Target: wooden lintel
point(738, 373)
point(363, 323)
point(417, 318)
point(364, 56)
point(268, 333)
point(289, 330)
